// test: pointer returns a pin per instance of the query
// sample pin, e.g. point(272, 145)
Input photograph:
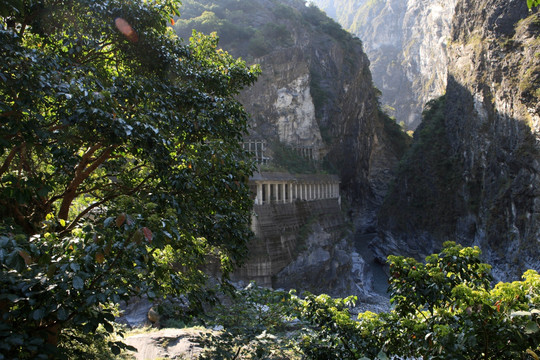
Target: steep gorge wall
point(322, 85)
point(406, 42)
point(494, 77)
point(316, 91)
point(489, 127)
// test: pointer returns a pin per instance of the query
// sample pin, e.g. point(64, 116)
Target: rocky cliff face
point(281, 102)
point(318, 92)
point(494, 77)
point(315, 90)
point(482, 143)
point(406, 42)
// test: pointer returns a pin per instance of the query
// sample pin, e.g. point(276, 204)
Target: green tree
point(444, 308)
point(121, 168)
point(253, 323)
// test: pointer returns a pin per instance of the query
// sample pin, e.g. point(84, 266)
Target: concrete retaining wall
point(280, 233)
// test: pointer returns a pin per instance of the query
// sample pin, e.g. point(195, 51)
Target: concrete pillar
point(259, 198)
point(290, 192)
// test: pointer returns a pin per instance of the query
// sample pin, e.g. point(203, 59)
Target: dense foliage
point(251, 325)
point(121, 167)
point(443, 308)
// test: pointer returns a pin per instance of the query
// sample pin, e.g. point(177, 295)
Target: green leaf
point(78, 283)
point(11, 297)
point(108, 221)
point(38, 314)
point(531, 328)
point(108, 327)
point(62, 314)
point(51, 270)
point(532, 3)
point(115, 350)
point(16, 339)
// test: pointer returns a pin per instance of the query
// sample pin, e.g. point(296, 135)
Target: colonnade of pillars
point(287, 192)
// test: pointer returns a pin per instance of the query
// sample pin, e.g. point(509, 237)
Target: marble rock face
point(406, 42)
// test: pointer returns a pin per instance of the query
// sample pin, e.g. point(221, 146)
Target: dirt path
point(165, 343)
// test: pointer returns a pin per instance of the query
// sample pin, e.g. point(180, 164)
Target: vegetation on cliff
point(243, 28)
point(121, 166)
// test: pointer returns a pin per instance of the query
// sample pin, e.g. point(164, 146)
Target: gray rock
point(135, 313)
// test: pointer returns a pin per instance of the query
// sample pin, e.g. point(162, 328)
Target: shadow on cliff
point(471, 176)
